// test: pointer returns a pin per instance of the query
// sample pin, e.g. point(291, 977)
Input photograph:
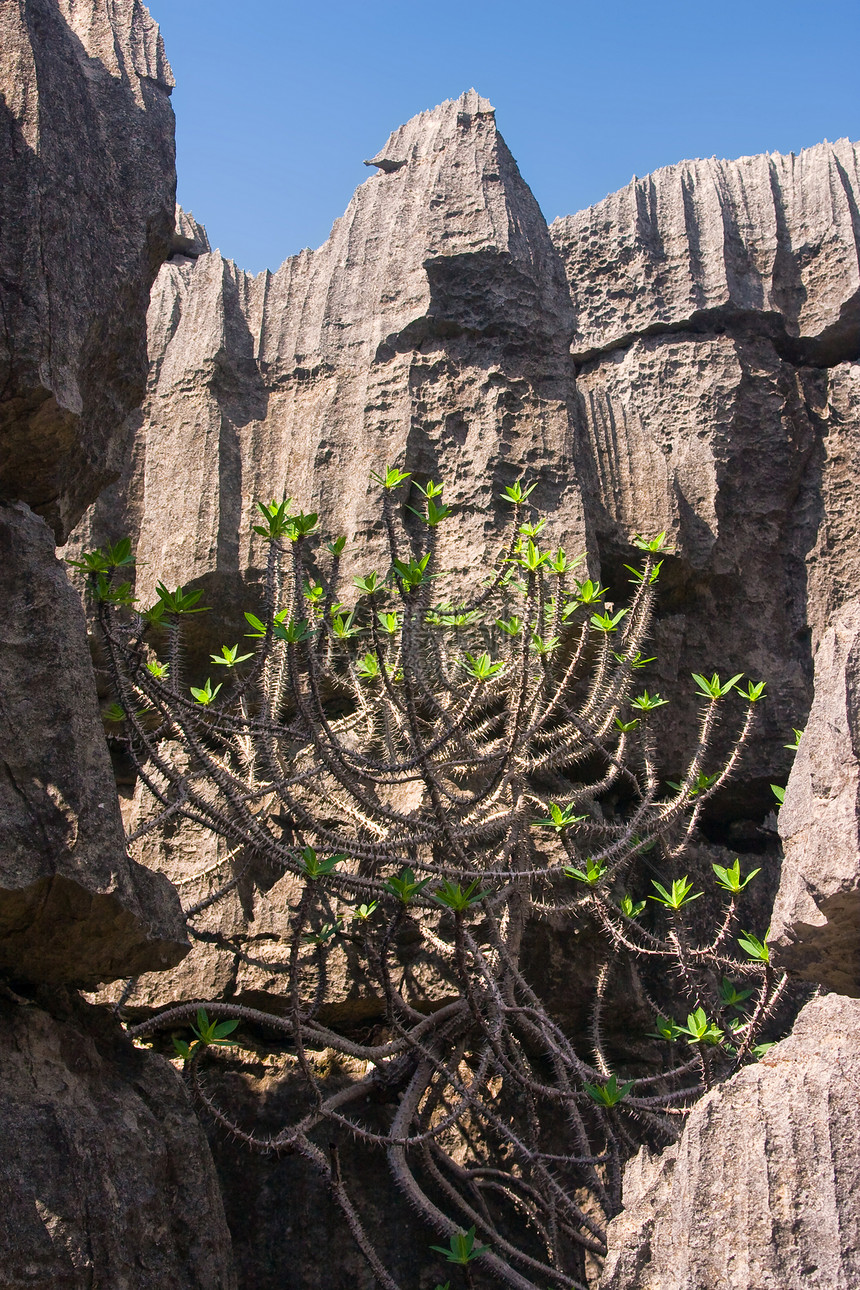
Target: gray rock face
point(770, 236)
point(833, 399)
point(816, 919)
point(761, 1188)
point(105, 1172)
point(695, 372)
point(432, 326)
point(73, 907)
point(701, 295)
point(86, 206)
point(709, 438)
point(435, 328)
point(87, 187)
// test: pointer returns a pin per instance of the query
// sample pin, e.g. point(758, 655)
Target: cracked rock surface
point(769, 238)
point(761, 1188)
point(681, 357)
point(86, 213)
point(816, 918)
point(104, 1169)
point(74, 908)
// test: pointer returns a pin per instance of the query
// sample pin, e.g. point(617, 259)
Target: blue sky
point(278, 102)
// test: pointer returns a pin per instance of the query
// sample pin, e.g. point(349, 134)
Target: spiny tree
point(516, 725)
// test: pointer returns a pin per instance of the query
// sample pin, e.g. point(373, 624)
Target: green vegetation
point(515, 723)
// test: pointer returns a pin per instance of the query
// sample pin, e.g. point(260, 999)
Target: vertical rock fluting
point(816, 919)
point(105, 1174)
point(708, 438)
point(432, 328)
point(761, 1188)
point(769, 239)
point(708, 298)
point(696, 373)
point(86, 202)
point(86, 209)
point(668, 387)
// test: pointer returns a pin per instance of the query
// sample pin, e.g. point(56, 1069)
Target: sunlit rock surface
point(761, 1188)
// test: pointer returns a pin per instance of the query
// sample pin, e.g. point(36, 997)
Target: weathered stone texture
point(772, 236)
point(833, 399)
point(431, 328)
point(240, 943)
point(434, 328)
point(761, 1188)
point(816, 919)
point(73, 907)
point(709, 439)
point(699, 294)
point(86, 209)
point(87, 187)
point(105, 1173)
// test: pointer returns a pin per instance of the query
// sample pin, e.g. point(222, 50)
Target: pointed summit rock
point(432, 328)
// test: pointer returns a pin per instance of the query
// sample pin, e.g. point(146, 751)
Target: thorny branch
point(513, 726)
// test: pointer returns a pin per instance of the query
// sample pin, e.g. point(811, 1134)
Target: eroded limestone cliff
point(105, 1175)
point(760, 1189)
point(649, 362)
point(683, 356)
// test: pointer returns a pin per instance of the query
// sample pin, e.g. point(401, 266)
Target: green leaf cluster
point(755, 948)
point(315, 867)
point(610, 1093)
point(560, 817)
point(206, 695)
point(405, 886)
point(730, 878)
point(104, 559)
point(462, 1248)
point(646, 702)
point(390, 478)
point(209, 1034)
point(481, 666)
point(458, 898)
point(590, 875)
point(714, 688)
point(680, 894)
point(516, 494)
point(176, 602)
point(230, 656)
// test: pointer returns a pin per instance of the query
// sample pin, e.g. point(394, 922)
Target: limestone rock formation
point(105, 1175)
point(189, 237)
point(104, 1169)
point(761, 1188)
point(86, 211)
point(701, 295)
point(770, 240)
point(709, 438)
point(833, 398)
point(73, 907)
point(435, 327)
point(432, 327)
point(87, 186)
point(665, 389)
point(695, 371)
point(816, 919)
